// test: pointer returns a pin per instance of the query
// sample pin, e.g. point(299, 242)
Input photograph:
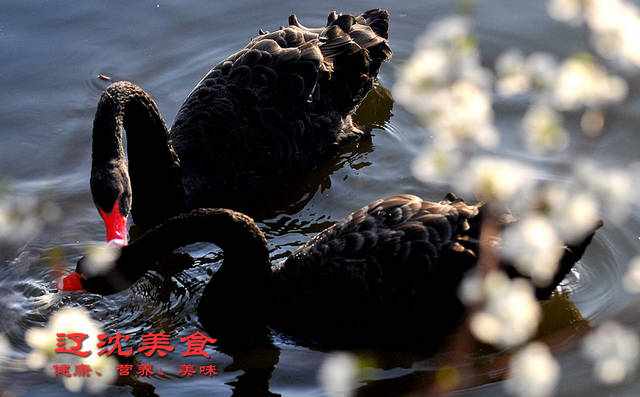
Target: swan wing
point(277, 107)
point(392, 247)
point(284, 68)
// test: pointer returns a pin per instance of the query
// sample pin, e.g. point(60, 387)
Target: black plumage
point(256, 123)
point(387, 274)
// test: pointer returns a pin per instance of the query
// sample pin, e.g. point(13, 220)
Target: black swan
point(393, 265)
point(259, 120)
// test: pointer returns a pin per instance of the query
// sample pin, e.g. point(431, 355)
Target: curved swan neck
point(244, 245)
point(151, 167)
point(107, 136)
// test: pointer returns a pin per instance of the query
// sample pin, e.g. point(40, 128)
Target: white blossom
point(101, 257)
point(510, 314)
point(614, 25)
point(462, 114)
point(471, 289)
point(631, 279)
point(12, 229)
point(533, 372)
point(451, 33)
point(616, 28)
point(43, 344)
point(614, 187)
point(570, 11)
point(544, 130)
point(518, 74)
point(445, 85)
point(436, 163)
point(542, 68)
point(583, 82)
point(493, 179)
point(338, 374)
point(534, 247)
point(614, 350)
point(573, 214)
point(22, 217)
point(513, 77)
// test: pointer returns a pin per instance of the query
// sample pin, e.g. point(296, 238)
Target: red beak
point(71, 282)
point(116, 227)
point(115, 224)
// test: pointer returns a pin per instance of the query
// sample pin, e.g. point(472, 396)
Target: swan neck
point(245, 248)
point(149, 170)
point(108, 135)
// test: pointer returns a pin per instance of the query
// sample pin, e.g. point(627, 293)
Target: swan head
point(94, 276)
point(80, 281)
point(111, 191)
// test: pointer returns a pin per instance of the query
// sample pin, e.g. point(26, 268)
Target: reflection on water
point(51, 58)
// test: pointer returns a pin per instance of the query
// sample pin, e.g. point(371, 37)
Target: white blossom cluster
point(614, 25)
point(614, 188)
point(22, 217)
point(577, 83)
point(101, 257)
point(614, 350)
point(508, 312)
point(519, 74)
point(573, 212)
point(533, 372)
point(533, 245)
point(553, 215)
point(43, 344)
point(446, 86)
point(493, 179)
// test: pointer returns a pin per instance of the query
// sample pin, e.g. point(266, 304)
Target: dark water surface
point(50, 55)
